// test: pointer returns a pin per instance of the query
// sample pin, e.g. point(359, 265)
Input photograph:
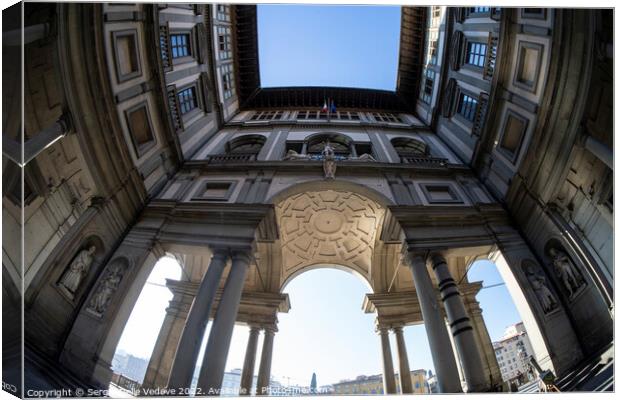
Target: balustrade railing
point(125, 383)
point(231, 158)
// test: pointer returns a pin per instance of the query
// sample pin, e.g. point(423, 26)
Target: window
point(247, 144)
point(432, 47)
point(476, 53)
point(224, 43)
point(513, 133)
point(215, 191)
point(386, 117)
point(140, 129)
point(187, 100)
point(440, 193)
point(467, 107)
point(340, 144)
point(222, 13)
point(479, 10)
point(126, 52)
point(228, 82)
point(179, 44)
point(408, 147)
point(266, 115)
point(427, 92)
point(435, 15)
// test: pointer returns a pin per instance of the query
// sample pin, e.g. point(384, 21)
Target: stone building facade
point(146, 133)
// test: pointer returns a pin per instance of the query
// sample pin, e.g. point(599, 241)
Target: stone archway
point(334, 227)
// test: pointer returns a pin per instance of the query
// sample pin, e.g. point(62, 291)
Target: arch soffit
point(328, 227)
point(353, 270)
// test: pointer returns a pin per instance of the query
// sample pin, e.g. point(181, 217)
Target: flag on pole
point(324, 109)
point(332, 106)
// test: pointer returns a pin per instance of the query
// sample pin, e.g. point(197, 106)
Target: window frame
point(116, 35)
point(203, 186)
point(226, 70)
point(226, 53)
point(191, 46)
point(140, 149)
point(513, 157)
point(457, 113)
point(466, 53)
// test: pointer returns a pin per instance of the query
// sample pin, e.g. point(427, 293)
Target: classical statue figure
point(293, 155)
point(364, 157)
point(105, 291)
point(78, 268)
point(566, 271)
point(544, 295)
point(329, 161)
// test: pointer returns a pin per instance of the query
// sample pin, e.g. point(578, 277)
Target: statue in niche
point(73, 276)
point(108, 286)
point(539, 284)
point(566, 271)
point(329, 161)
point(293, 155)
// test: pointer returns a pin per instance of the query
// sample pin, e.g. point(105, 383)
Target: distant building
point(373, 384)
point(431, 383)
point(512, 353)
point(130, 366)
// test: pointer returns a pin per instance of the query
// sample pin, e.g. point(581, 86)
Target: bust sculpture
point(78, 268)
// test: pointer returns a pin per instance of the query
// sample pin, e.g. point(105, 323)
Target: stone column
point(248, 363)
point(389, 381)
point(404, 373)
point(438, 339)
point(264, 370)
point(460, 325)
point(186, 355)
point(485, 344)
point(158, 371)
point(214, 361)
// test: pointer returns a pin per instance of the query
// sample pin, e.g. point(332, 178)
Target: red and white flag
point(324, 109)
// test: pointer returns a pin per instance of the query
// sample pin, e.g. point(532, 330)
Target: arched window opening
point(137, 342)
point(248, 144)
point(342, 145)
point(407, 147)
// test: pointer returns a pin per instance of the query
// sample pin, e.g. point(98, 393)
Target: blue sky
point(346, 46)
point(325, 331)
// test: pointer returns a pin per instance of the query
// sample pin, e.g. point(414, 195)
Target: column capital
point(270, 329)
point(219, 252)
point(437, 258)
point(241, 255)
point(397, 329)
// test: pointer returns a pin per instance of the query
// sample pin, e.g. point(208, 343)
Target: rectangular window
point(479, 10)
point(222, 13)
point(467, 107)
point(429, 81)
point(513, 133)
point(187, 100)
point(386, 117)
point(224, 43)
point(476, 53)
point(228, 82)
point(140, 130)
point(179, 44)
point(435, 15)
